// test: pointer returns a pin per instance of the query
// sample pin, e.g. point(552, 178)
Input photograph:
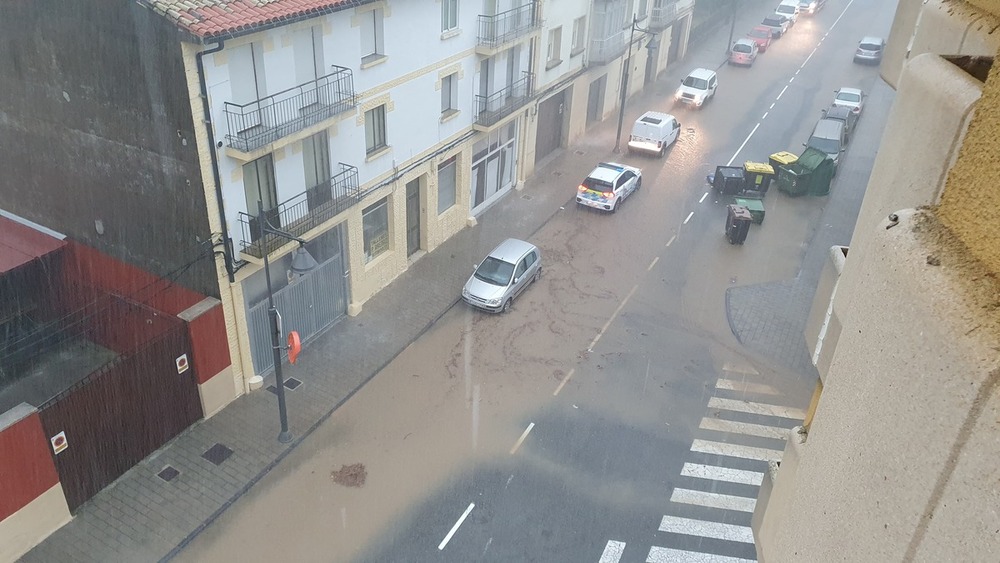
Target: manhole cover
point(292, 383)
point(217, 454)
point(581, 153)
point(168, 473)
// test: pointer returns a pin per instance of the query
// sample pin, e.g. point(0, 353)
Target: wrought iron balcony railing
point(664, 12)
point(507, 26)
point(491, 109)
point(303, 212)
point(266, 120)
point(606, 49)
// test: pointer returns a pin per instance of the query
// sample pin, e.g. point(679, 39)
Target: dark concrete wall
point(95, 125)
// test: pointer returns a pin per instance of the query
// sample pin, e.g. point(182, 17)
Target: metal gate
point(308, 305)
point(550, 121)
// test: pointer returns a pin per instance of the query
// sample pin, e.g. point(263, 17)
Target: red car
point(761, 35)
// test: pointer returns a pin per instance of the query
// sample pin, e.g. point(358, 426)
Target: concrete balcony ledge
point(776, 492)
point(823, 327)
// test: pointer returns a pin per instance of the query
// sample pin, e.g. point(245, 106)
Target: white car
point(852, 98)
point(789, 9)
point(697, 88)
point(608, 185)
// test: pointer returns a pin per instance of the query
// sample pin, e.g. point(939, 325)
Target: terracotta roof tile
point(213, 18)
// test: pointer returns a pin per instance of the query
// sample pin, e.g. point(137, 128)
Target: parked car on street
point(743, 52)
point(761, 35)
point(852, 98)
point(869, 50)
point(503, 275)
point(698, 87)
point(777, 23)
point(810, 7)
point(789, 9)
point(654, 132)
point(608, 185)
point(845, 116)
point(829, 137)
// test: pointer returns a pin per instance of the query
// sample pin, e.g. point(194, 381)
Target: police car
point(608, 185)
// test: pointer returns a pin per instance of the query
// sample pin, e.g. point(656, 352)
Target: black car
point(844, 115)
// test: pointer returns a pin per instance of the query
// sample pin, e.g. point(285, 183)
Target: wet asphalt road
point(562, 431)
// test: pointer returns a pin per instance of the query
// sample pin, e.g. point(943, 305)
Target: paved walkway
point(142, 517)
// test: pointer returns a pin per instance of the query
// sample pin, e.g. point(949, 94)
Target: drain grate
point(217, 454)
point(168, 473)
point(291, 384)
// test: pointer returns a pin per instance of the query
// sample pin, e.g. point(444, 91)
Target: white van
point(654, 132)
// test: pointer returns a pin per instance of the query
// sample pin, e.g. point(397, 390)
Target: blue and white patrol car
point(608, 185)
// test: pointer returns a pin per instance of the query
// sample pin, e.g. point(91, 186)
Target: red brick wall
point(26, 468)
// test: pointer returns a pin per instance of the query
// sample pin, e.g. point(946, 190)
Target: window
point(449, 14)
point(579, 36)
point(375, 223)
point(641, 13)
point(449, 93)
point(259, 186)
point(375, 129)
point(372, 36)
point(555, 40)
point(316, 163)
point(447, 184)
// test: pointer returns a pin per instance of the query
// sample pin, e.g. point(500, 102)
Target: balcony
point(492, 109)
point(663, 13)
point(302, 213)
point(606, 49)
point(497, 31)
point(266, 120)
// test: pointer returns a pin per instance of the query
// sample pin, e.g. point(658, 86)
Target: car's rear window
point(871, 46)
point(698, 83)
point(785, 9)
point(742, 48)
point(773, 22)
point(848, 97)
point(596, 185)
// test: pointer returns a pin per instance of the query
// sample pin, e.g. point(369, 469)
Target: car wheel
point(614, 206)
point(506, 306)
point(638, 183)
point(538, 275)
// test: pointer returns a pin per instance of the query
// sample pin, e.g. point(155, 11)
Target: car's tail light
point(582, 188)
point(659, 144)
point(608, 194)
point(856, 110)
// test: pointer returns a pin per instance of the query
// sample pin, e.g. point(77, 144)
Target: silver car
point(869, 50)
point(503, 275)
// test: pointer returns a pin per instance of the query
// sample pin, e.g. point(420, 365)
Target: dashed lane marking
point(689, 217)
point(521, 439)
point(563, 382)
point(653, 263)
point(613, 315)
point(454, 528)
point(703, 197)
point(669, 242)
point(745, 141)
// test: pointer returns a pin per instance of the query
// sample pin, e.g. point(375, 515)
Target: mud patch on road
point(353, 475)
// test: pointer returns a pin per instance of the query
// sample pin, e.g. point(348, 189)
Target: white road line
point(838, 18)
point(772, 106)
point(689, 217)
point(612, 552)
point(756, 408)
point(716, 473)
point(746, 387)
point(739, 368)
point(703, 197)
point(613, 315)
point(809, 57)
point(669, 242)
point(563, 382)
point(782, 92)
point(454, 528)
point(667, 555)
point(713, 500)
point(790, 80)
point(745, 141)
point(701, 528)
point(765, 115)
point(735, 450)
point(653, 263)
point(759, 430)
point(521, 439)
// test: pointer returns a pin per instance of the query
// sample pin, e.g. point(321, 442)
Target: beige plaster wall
point(24, 529)
point(906, 415)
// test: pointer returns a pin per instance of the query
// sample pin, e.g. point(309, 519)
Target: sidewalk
point(142, 517)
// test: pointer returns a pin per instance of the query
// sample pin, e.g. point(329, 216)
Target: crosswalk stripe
point(746, 387)
point(716, 473)
point(713, 500)
point(701, 528)
point(612, 552)
point(720, 425)
point(756, 408)
point(667, 555)
point(739, 368)
point(735, 450)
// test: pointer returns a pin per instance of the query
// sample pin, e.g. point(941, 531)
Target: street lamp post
point(302, 262)
point(625, 74)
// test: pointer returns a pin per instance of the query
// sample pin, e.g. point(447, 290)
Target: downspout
point(226, 248)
